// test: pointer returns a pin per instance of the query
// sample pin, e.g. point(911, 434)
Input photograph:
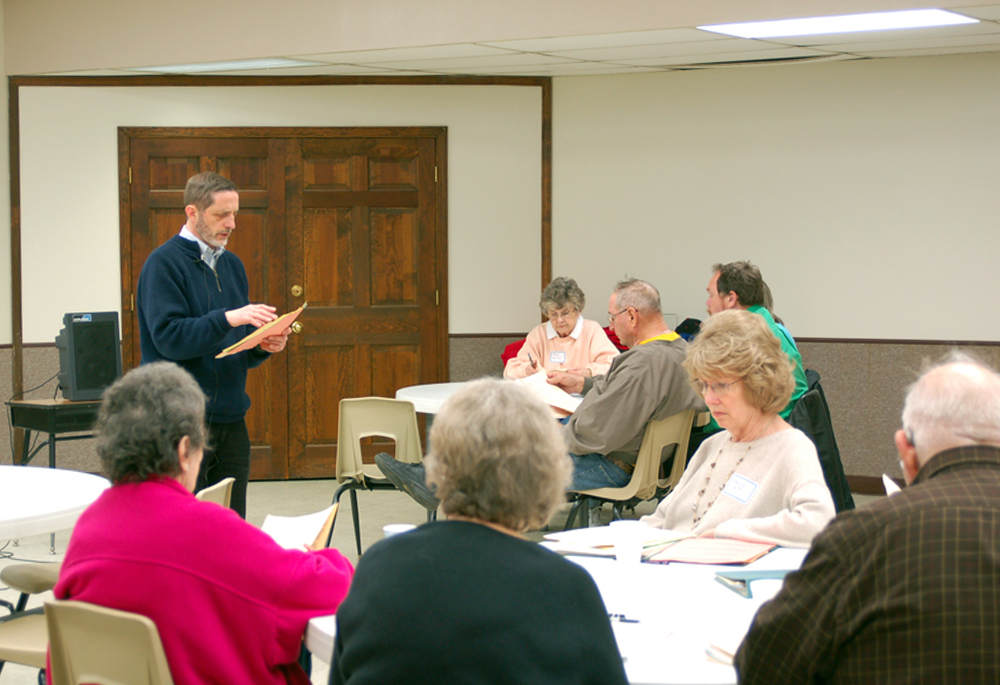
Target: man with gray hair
point(906, 589)
point(645, 383)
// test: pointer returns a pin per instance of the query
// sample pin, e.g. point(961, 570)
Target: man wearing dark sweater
point(193, 302)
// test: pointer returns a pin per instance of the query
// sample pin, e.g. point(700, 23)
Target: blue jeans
point(592, 471)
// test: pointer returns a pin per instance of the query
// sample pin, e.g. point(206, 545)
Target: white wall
point(69, 183)
point(868, 192)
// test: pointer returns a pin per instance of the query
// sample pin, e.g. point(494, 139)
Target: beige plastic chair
point(23, 640)
point(365, 417)
point(220, 493)
point(645, 483)
point(93, 644)
point(23, 637)
point(28, 579)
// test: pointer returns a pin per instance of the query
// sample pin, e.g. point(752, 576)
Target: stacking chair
point(364, 417)
point(23, 638)
point(28, 579)
point(645, 483)
point(93, 644)
point(220, 493)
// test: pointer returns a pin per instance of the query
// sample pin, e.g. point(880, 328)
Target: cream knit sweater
point(777, 494)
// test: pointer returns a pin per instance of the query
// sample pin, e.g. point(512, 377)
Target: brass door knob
point(297, 327)
point(297, 290)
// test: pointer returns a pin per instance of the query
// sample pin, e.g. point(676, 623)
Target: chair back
point(94, 644)
point(673, 430)
point(811, 415)
point(220, 493)
point(365, 417)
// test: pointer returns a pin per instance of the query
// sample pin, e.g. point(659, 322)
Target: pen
point(534, 364)
point(620, 618)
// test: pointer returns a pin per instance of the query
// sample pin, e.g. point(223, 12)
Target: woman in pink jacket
point(230, 605)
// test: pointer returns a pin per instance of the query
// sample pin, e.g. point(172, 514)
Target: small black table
point(53, 417)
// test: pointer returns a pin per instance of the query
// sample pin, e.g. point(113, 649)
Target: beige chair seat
point(24, 639)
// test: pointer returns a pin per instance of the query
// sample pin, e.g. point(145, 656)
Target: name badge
point(557, 357)
point(740, 488)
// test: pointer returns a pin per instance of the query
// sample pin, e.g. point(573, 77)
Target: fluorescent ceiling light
point(240, 65)
point(846, 23)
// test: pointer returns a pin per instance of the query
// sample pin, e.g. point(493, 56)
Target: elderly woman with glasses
point(758, 479)
point(230, 605)
point(567, 341)
point(468, 599)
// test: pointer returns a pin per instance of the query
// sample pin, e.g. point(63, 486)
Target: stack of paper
point(301, 532)
point(561, 401)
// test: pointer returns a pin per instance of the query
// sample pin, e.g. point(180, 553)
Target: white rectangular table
point(680, 609)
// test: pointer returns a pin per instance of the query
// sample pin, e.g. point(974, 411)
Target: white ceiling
point(644, 51)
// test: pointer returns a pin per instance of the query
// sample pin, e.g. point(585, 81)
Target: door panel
point(364, 232)
point(351, 216)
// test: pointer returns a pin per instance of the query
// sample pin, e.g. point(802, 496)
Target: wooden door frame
point(14, 83)
point(436, 133)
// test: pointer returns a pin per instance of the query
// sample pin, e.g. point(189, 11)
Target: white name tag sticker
point(557, 357)
point(740, 488)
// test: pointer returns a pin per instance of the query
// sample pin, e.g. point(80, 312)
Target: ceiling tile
point(915, 43)
point(746, 56)
point(506, 59)
point(987, 12)
point(607, 40)
point(456, 51)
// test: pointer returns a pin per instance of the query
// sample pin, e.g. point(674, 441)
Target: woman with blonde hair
point(759, 478)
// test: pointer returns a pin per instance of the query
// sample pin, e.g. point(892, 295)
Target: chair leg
point(571, 518)
point(616, 511)
point(357, 523)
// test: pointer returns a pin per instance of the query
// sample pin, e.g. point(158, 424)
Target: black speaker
point(90, 354)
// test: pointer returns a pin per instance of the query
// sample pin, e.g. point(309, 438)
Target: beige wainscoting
point(864, 381)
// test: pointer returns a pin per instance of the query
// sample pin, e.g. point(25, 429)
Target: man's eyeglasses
point(718, 389)
point(611, 317)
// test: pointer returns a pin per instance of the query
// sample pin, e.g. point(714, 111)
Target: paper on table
point(600, 541)
point(890, 485)
point(713, 551)
point(272, 328)
point(552, 395)
point(295, 532)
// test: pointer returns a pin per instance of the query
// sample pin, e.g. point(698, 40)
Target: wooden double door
point(349, 220)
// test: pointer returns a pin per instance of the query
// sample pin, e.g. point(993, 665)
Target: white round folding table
point(430, 397)
point(39, 500)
